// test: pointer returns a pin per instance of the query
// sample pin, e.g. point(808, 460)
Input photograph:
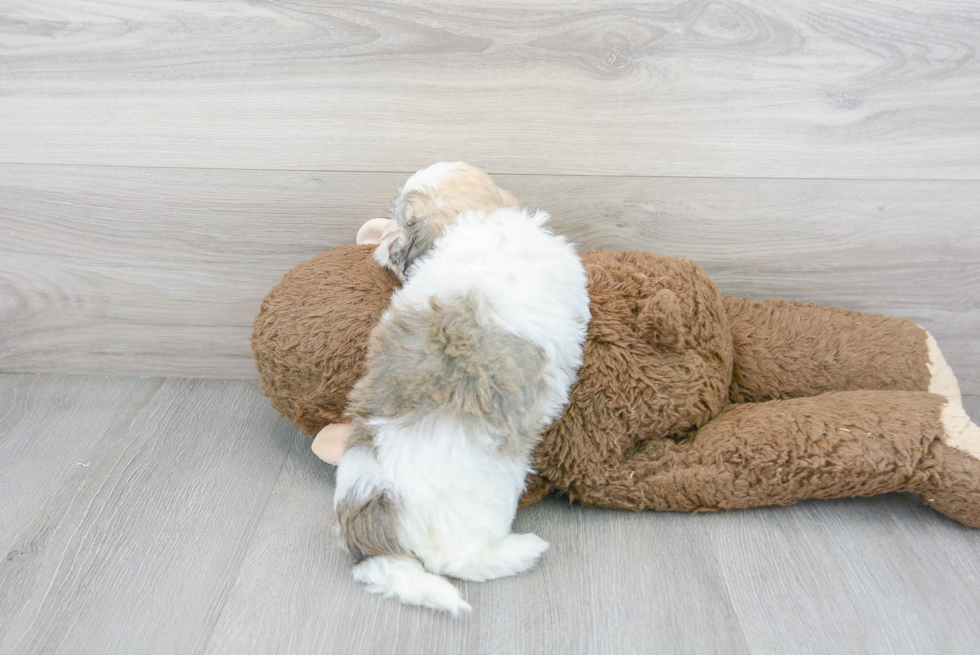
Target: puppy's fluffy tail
point(405, 579)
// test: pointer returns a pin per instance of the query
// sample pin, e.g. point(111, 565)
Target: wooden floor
point(184, 516)
point(163, 164)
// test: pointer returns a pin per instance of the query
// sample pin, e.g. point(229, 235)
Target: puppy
point(473, 359)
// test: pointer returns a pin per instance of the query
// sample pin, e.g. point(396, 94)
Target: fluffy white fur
point(457, 494)
point(532, 281)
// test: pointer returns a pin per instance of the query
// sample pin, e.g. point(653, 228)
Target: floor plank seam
point(246, 547)
point(733, 606)
point(109, 430)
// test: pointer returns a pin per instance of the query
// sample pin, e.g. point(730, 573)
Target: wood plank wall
point(163, 164)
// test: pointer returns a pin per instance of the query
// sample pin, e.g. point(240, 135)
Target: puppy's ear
point(370, 232)
point(416, 207)
point(417, 215)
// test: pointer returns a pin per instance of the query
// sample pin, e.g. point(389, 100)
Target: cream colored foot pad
point(961, 432)
point(942, 380)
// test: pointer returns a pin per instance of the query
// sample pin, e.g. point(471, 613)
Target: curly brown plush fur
point(686, 400)
point(310, 337)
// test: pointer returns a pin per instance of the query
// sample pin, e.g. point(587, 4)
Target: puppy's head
point(429, 203)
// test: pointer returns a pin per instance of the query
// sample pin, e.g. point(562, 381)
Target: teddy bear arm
point(785, 350)
point(856, 443)
point(330, 442)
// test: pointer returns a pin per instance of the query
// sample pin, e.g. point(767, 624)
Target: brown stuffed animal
point(686, 400)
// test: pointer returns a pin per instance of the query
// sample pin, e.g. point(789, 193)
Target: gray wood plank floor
point(202, 523)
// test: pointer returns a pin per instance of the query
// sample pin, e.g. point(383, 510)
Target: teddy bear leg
point(839, 444)
point(785, 350)
point(948, 478)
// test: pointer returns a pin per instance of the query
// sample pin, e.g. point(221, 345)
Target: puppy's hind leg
point(513, 554)
point(368, 517)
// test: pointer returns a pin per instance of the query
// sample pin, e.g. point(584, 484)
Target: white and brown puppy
point(429, 202)
point(473, 359)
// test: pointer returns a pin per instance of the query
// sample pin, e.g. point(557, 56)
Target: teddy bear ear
point(660, 320)
point(370, 232)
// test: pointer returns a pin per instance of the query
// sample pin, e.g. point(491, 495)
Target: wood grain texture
point(295, 593)
point(138, 551)
point(160, 271)
point(746, 88)
point(204, 525)
point(147, 271)
point(48, 428)
point(858, 573)
point(613, 582)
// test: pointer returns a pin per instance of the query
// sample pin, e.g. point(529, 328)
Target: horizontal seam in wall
point(504, 173)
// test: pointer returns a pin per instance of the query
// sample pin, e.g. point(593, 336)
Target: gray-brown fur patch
point(359, 435)
point(370, 527)
point(445, 361)
point(418, 229)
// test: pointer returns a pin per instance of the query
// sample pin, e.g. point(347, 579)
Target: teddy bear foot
point(953, 468)
point(941, 381)
point(961, 433)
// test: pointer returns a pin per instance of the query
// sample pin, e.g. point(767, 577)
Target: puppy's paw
point(513, 554)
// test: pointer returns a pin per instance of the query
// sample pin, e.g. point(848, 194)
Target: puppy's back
point(532, 281)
